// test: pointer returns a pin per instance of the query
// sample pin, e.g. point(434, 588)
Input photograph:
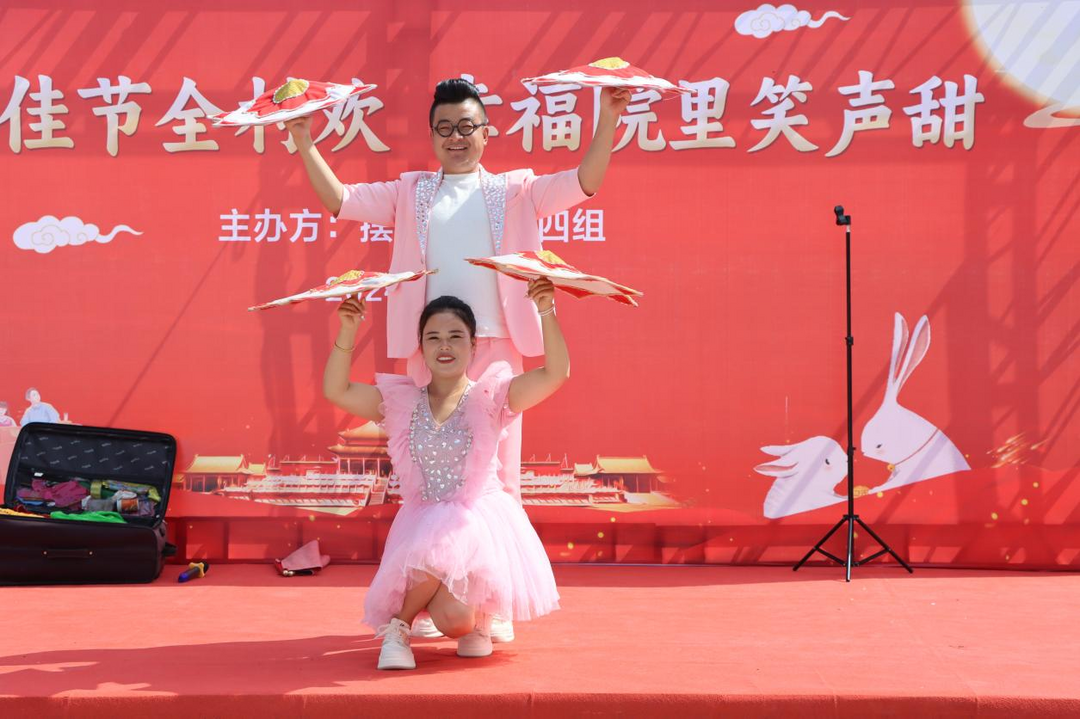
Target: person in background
point(5, 420)
point(38, 411)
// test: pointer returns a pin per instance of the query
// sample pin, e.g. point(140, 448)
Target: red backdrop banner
point(140, 234)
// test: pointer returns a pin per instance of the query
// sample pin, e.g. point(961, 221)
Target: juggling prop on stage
point(296, 98)
point(610, 72)
point(350, 283)
point(531, 265)
point(195, 570)
point(305, 561)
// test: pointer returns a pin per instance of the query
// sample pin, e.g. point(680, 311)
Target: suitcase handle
point(67, 553)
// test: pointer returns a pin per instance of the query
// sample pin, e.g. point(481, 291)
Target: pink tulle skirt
point(486, 553)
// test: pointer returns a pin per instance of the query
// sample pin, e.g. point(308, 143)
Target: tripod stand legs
point(850, 520)
point(885, 548)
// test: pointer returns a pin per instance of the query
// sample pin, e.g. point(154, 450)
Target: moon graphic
point(1036, 46)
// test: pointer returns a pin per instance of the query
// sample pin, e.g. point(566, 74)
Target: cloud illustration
point(48, 233)
point(767, 19)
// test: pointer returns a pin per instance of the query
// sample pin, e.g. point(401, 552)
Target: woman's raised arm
point(357, 398)
point(533, 387)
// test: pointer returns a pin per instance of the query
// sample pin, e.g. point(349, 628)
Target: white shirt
point(459, 228)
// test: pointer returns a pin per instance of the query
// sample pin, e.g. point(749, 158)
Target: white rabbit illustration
point(805, 476)
point(913, 447)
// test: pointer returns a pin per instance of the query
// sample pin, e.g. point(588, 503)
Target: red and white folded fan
point(610, 72)
point(296, 98)
point(351, 283)
point(531, 265)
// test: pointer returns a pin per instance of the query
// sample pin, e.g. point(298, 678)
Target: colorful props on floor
point(195, 570)
point(295, 98)
point(351, 283)
point(530, 265)
point(610, 72)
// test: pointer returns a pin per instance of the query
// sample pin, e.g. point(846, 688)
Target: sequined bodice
point(439, 450)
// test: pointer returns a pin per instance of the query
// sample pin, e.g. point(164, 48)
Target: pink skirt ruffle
point(486, 553)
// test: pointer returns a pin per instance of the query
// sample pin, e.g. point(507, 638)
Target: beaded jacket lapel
point(493, 188)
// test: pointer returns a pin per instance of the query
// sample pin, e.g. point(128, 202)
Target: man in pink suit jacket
point(424, 205)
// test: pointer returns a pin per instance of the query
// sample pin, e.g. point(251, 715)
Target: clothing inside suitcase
point(85, 504)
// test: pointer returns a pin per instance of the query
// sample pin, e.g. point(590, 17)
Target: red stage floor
point(629, 642)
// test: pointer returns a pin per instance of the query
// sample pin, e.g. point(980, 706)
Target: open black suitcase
point(50, 458)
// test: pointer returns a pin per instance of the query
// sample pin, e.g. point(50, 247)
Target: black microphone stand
point(850, 519)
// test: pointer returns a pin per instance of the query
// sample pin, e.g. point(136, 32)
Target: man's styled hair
point(453, 91)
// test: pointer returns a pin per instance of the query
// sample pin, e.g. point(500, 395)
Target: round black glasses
point(464, 128)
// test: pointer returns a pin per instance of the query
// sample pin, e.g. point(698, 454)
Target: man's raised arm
point(327, 186)
point(595, 163)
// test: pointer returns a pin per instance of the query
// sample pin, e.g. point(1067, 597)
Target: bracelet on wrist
point(548, 311)
point(344, 349)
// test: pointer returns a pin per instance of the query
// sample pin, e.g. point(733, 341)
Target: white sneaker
point(424, 627)
point(476, 643)
point(396, 652)
point(502, 630)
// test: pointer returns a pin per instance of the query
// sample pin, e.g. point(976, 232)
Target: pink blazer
point(515, 200)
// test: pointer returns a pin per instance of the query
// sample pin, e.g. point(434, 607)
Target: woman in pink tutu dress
point(461, 547)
